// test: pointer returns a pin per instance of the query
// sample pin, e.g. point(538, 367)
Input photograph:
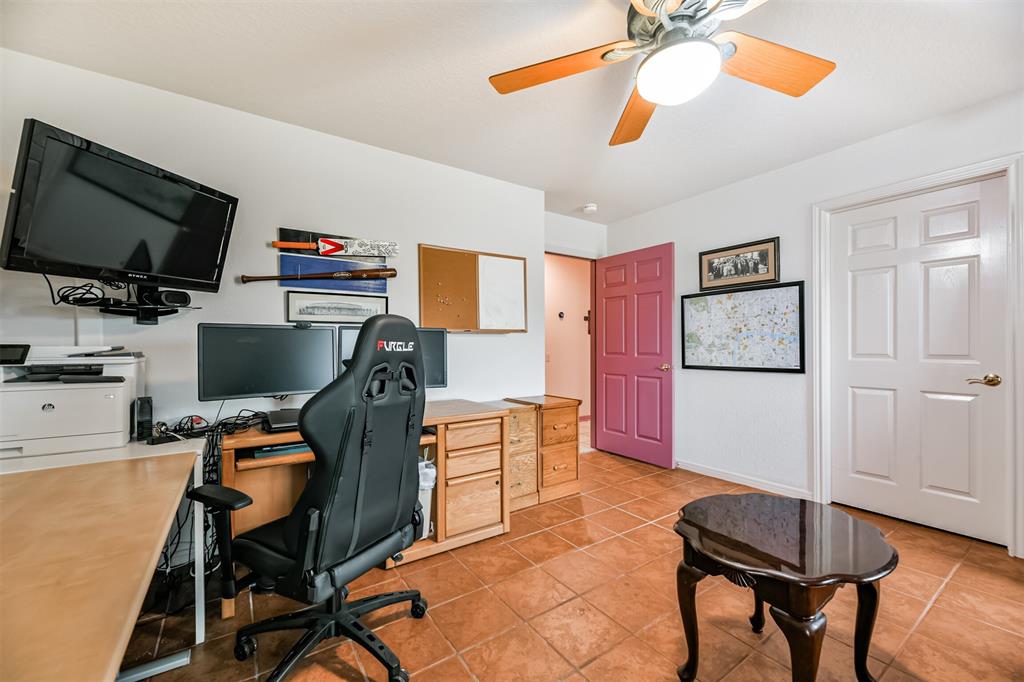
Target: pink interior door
point(632, 415)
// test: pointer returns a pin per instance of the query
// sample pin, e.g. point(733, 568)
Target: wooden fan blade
point(634, 119)
point(553, 69)
point(641, 6)
point(774, 66)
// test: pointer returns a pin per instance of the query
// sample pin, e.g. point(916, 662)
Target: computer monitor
point(257, 361)
point(433, 346)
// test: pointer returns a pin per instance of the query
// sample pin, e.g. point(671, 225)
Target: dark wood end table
point(794, 555)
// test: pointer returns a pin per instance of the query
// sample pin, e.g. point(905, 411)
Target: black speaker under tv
point(80, 209)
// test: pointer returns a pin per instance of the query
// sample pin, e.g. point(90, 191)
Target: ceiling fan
point(684, 54)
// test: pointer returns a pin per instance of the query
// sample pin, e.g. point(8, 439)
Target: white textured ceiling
point(411, 76)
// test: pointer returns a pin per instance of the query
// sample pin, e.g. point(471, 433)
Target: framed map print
point(756, 329)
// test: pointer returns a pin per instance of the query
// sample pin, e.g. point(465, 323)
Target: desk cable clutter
point(196, 426)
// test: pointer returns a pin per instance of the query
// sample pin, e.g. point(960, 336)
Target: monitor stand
point(281, 420)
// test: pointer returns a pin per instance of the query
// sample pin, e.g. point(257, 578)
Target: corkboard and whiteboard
point(472, 291)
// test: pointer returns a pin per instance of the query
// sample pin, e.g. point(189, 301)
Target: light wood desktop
point(78, 547)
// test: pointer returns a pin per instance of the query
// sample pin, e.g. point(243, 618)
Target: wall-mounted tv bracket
point(149, 306)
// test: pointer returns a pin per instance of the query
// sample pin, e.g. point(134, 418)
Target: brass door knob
point(988, 380)
point(665, 367)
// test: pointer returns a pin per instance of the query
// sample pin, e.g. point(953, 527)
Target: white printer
point(47, 417)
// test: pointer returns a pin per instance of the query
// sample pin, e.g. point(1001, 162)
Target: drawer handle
point(559, 467)
point(515, 441)
point(48, 407)
point(517, 483)
point(556, 427)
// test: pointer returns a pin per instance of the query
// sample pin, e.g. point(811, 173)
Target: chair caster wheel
point(401, 676)
point(244, 648)
point(419, 608)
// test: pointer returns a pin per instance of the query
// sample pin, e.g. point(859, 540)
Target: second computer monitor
point(433, 346)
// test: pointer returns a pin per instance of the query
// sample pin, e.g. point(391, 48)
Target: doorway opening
point(568, 337)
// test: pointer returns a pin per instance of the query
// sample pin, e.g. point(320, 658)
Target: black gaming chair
point(359, 506)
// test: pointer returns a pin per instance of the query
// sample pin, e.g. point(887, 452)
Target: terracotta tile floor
point(584, 588)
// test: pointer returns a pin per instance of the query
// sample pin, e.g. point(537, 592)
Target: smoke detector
point(590, 207)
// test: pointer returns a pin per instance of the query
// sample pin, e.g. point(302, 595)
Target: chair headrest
point(391, 337)
point(389, 340)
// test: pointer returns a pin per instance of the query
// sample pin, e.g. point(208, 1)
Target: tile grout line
point(924, 613)
point(619, 467)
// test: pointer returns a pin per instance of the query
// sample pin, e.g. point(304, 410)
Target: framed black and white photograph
point(309, 306)
point(740, 265)
point(753, 329)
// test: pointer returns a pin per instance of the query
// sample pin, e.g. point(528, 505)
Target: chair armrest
point(219, 497)
point(219, 500)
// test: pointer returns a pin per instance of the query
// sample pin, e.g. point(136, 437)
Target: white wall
point(283, 175)
point(574, 236)
point(756, 427)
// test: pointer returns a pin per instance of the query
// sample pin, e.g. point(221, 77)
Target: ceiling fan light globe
point(679, 71)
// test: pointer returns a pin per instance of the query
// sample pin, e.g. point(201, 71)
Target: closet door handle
point(988, 380)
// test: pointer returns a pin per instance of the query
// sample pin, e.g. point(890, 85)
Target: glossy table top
point(795, 540)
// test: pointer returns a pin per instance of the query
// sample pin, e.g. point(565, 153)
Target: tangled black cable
point(84, 294)
point(196, 426)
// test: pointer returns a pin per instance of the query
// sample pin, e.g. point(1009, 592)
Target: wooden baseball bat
point(367, 273)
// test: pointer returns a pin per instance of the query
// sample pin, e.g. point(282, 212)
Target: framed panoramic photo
point(740, 265)
point(327, 308)
point(753, 329)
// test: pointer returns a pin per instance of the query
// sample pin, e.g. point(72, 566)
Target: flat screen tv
point(83, 210)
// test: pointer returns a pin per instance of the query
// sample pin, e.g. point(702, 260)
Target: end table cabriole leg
point(805, 638)
point(687, 578)
point(867, 609)
point(757, 619)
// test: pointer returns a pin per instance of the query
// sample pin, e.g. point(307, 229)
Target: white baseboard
point(752, 481)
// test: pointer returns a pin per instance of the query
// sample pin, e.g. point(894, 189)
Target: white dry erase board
point(472, 291)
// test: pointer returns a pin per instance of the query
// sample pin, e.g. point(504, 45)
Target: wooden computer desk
point(469, 446)
point(78, 547)
point(474, 445)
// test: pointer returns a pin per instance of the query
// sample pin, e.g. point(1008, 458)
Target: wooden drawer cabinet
point(473, 460)
point(473, 502)
point(558, 464)
point(559, 425)
point(523, 474)
point(474, 433)
point(522, 434)
point(554, 459)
